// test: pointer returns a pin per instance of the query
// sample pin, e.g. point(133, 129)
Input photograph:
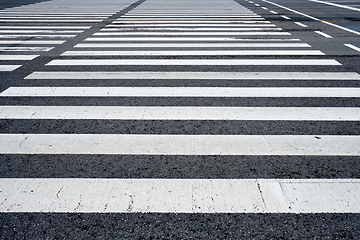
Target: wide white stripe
point(191, 25)
point(192, 53)
point(181, 113)
point(188, 45)
point(187, 29)
point(322, 145)
point(353, 47)
point(180, 195)
point(25, 49)
point(31, 42)
point(189, 39)
point(180, 92)
point(8, 68)
point(192, 62)
point(191, 33)
point(18, 57)
point(198, 75)
point(169, 21)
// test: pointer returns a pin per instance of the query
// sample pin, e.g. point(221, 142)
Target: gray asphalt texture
point(189, 226)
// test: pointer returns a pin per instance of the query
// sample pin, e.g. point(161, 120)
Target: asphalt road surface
point(168, 119)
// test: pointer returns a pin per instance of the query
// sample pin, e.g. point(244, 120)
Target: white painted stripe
point(181, 113)
point(336, 5)
point(25, 49)
point(257, 5)
point(264, 8)
point(193, 53)
point(273, 12)
point(8, 68)
point(188, 45)
point(51, 20)
point(36, 36)
point(197, 62)
point(311, 17)
point(323, 34)
point(48, 17)
point(32, 42)
point(285, 17)
point(45, 27)
point(41, 31)
point(179, 92)
point(353, 47)
point(88, 195)
point(169, 21)
point(300, 24)
point(188, 39)
point(189, 29)
point(322, 145)
point(190, 33)
point(198, 75)
point(18, 57)
point(192, 25)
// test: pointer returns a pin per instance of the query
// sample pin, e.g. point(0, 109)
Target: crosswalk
point(192, 64)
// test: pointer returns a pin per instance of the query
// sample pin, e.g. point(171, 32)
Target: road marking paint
point(316, 19)
point(323, 34)
point(274, 12)
point(26, 49)
point(128, 144)
point(36, 36)
point(191, 33)
point(198, 75)
point(257, 5)
point(89, 195)
point(189, 29)
point(193, 53)
point(18, 57)
point(194, 62)
point(181, 113)
point(25, 20)
point(336, 5)
point(353, 47)
point(251, 24)
point(41, 31)
point(188, 45)
point(45, 27)
point(179, 92)
point(285, 17)
point(188, 39)
point(167, 21)
point(301, 24)
point(264, 8)
point(8, 68)
point(32, 42)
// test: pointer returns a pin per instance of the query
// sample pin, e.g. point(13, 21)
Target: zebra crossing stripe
point(191, 45)
point(179, 92)
point(181, 113)
point(8, 68)
point(41, 31)
point(44, 27)
point(18, 57)
point(136, 25)
point(31, 42)
point(193, 28)
point(194, 62)
point(129, 144)
point(89, 195)
point(36, 36)
point(188, 39)
point(26, 49)
point(198, 75)
point(192, 33)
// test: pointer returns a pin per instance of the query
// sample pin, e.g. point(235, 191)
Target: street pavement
point(164, 119)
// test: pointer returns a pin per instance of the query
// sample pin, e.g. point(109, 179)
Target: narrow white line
point(198, 75)
point(285, 17)
point(331, 24)
point(257, 5)
point(194, 62)
point(49, 17)
point(18, 57)
point(190, 45)
point(178, 92)
point(44, 27)
point(323, 145)
point(323, 34)
point(353, 47)
point(301, 24)
point(336, 5)
point(36, 36)
point(181, 113)
point(191, 33)
point(41, 31)
point(89, 195)
point(251, 24)
point(52, 20)
point(187, 39)
point(25, 49)
point(194, 53)
point(264, 8)
point(32, 42)
point(8, 68)
point(167, 21)
point(274, 12)
point(204, 29)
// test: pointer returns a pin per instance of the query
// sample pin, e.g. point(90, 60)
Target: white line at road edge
point(303, 14)
point(179, 195)
point(336, 5)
